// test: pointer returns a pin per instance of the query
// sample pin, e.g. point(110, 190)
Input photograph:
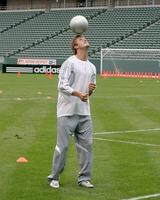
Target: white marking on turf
point(127, 131)
point(103, 97)
point(49, 97)
point(128, 96)
point(127, 142)
point(25, 98)
point(18, 98)
point(144, 197)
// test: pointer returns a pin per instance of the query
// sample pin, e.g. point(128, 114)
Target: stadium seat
point(48, 34)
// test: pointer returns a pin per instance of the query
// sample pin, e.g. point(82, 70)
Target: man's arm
point(64, 86)
point(92, 87)
point(65, 73)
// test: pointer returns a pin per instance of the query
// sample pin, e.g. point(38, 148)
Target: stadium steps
point(145, 39)
point(115, 43)
point(36, 29)
point(52, 35)
point(18, 22)
point(108, 29)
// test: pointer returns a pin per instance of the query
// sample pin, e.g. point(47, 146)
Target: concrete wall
point(20, 4)
point(40, 4)
point(27, 4)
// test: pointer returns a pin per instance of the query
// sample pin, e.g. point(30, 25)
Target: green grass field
point(126, 117)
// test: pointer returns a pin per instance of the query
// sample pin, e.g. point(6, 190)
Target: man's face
point(82, 43)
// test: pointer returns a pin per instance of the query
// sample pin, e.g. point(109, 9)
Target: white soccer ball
point(79, 24)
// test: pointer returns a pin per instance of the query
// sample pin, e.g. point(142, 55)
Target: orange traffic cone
point(18, 74)
point(21, 160)
point(50, 76)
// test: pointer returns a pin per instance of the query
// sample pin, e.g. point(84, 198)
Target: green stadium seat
point(48, 34)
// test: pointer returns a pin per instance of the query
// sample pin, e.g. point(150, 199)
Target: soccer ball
point(79, 24)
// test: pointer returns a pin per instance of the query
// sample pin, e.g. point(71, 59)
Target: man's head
point(79, 42)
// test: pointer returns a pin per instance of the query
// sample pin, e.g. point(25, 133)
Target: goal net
point(130, 60)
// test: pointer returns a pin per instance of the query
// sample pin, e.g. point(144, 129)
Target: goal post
point(130, 60)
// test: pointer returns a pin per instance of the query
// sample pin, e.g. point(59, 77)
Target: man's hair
point(74, 43)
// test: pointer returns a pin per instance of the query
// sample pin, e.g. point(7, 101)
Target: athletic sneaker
point(54, 184)
point(86, 184)
point(50, 178)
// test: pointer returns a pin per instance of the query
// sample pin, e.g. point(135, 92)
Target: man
point(77, 81)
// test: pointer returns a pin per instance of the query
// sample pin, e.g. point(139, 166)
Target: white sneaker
point(54, 184)
point(86, 184)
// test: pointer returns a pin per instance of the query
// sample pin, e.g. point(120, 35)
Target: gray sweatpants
point(81, 127)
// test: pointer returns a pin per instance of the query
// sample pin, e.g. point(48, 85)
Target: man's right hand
point(83, 97)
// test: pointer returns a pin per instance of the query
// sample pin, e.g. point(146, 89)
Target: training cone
point(49, 97)
point(50, 76)
point(18, 98)
point(18, 74)
point(21, 160)
point(39, 92)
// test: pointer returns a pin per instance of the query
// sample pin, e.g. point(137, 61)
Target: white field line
point(103, 97)
point(144, 197)
point(24, 98)
point(128, 96)
point(126, 131)
point(127, 142)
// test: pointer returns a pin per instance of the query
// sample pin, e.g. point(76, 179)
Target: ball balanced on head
point(79, 24)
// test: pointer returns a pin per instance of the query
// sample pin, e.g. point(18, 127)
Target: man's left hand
point(92, 87)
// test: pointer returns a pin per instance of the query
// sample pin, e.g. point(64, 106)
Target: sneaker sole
point(85, 186)
point(54, 186)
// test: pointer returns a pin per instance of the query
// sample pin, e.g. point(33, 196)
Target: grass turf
point(120, 170)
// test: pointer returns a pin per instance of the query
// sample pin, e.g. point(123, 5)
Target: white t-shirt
point(75, 75)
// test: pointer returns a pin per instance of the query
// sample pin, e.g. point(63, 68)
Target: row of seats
point(40, 27)
point(118, 27)
point(145, 38)
point(10, 19)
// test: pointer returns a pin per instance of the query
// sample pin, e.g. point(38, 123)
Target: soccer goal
point(130, 60)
